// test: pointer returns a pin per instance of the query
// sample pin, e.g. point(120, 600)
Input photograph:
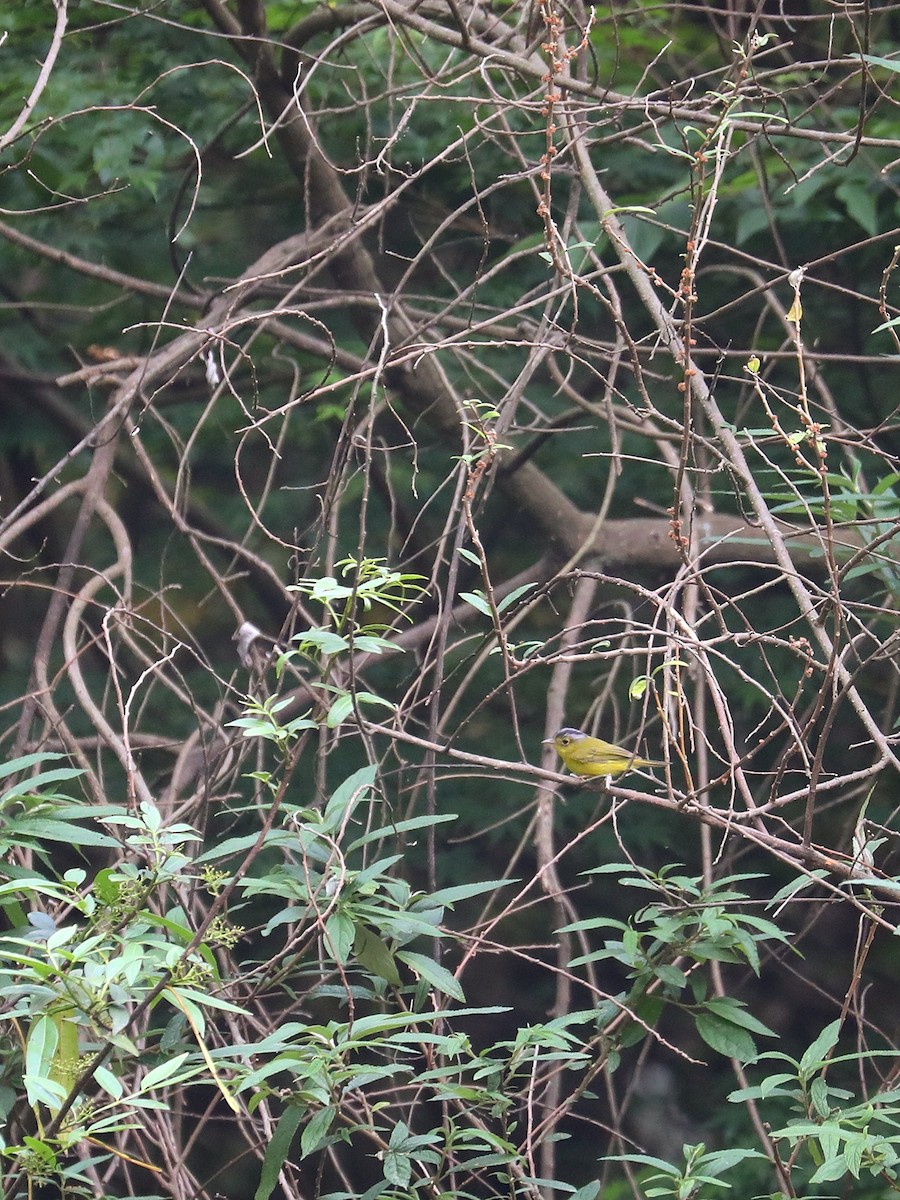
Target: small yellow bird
point(586, 755)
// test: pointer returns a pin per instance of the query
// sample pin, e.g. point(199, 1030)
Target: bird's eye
point(564, 741)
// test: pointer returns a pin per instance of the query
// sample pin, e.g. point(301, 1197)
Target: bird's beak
point(548, 742)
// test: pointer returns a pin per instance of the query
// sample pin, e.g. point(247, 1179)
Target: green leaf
point(316, 1132)
point(890, 64)
point(514, 595)
point(590, 1191)
point(343, 706)
point(374, 835)
point(370, 644)
point(191, 997)
point(162, 1073)
point(34, 783)
point(861, 202)
point(644, 1160)
point(324, 640)
point(46, 829)
point(799, 884)
point(40, 1051)
point(373, 954)
point(772, 1085)
point(339, 935)
point(830, 1170)
point(26, 762)
point(277, 1151)
point(347, 795)
point(43, 1038)
point(717, 1161)
point(725, 1037)
point(671, 976)
point(731, 1010)
point(397, 1168)
point(649, 1010)
point(464, 891)
point(110, 1083)
point(819, 1095)
point(478, 600)
point(435, 974)
point(815, 1055)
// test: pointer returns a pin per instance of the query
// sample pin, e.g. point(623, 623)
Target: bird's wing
point(604, 751)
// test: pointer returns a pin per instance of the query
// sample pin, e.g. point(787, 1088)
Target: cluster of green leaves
point(868, 508)
point(364, 913)
point(367, 940)
point(702, 1170)
point(72, 987)
point(319, 650)
point(665, 942)
point(835, 1137)
point(71, 983)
